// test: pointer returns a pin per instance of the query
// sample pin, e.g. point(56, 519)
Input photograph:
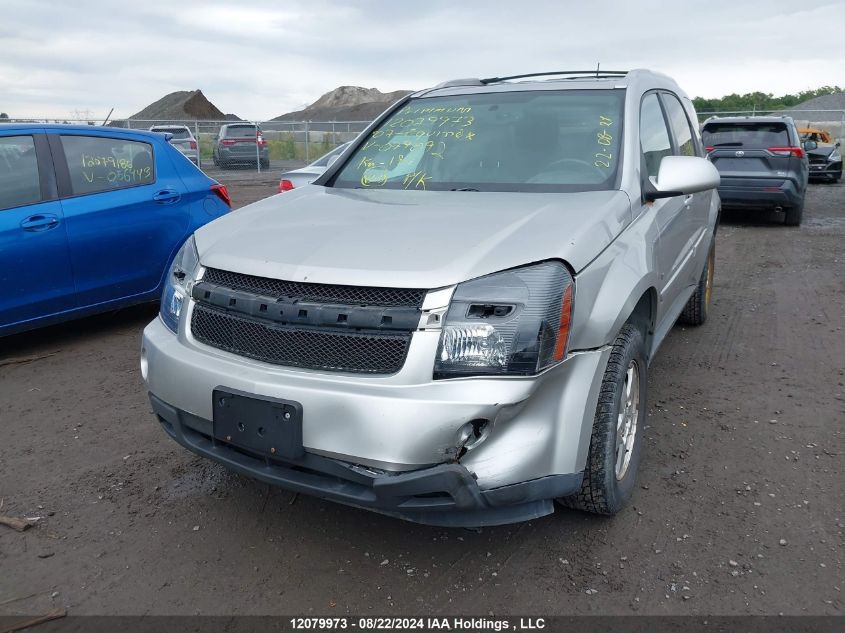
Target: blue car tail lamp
point(514, 322)
point(179, 283)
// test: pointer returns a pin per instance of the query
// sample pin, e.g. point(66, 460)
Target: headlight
point(178, 283)
point(511, 323)
point(834, 157)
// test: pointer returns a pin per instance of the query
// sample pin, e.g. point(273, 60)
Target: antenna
point(598, 65)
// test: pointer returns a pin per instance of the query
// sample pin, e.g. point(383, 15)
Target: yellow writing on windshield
point(412, 138)
point(604, 157)
point(407, 110)
point(374, 178)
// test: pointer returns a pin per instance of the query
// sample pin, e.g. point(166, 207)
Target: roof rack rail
point(585, 73)
point(467, 81)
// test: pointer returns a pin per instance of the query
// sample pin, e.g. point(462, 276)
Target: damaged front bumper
point(390, 443)
point(443, 495)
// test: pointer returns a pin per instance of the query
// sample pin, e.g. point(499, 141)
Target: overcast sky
point(260, 59)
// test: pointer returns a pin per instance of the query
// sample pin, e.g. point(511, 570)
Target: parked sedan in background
point(761, 163)
point(240, 144)
point(90, 219)
point(306, 175)
point(182, 139)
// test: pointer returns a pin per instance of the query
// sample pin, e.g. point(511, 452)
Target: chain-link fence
point(285, 140)
point(306, 141)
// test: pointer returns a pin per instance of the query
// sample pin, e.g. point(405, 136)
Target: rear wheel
point(616, 441)
point(697, 308)
point(265, 163)
point(794, 214)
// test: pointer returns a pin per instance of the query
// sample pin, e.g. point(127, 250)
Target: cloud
point(261, 58)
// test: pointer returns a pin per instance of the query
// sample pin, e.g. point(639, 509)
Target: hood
point(410, 239)
point(822, 151)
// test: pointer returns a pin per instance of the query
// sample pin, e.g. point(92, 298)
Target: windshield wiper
point(465, 189)
point(729, 144)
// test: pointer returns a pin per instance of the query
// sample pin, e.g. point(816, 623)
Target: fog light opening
point(471, 434)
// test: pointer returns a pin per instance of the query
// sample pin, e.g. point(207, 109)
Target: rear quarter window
point(757, 135)
point(99, 164)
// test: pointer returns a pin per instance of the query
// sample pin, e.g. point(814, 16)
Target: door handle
point(167, 196)
point(39, 222)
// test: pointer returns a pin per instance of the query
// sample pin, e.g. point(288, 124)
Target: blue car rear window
point(104, 164)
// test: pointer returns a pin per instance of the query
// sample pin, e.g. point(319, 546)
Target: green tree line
point(759, 100)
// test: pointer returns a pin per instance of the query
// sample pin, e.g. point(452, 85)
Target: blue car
point(90, 219)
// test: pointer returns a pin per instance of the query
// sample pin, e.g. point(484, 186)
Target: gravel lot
point(739, 510)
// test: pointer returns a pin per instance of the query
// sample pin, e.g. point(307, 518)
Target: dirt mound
point(822, 109)
point(181, 105)
point(346, 103)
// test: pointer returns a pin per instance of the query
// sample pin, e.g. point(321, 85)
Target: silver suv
point(454, 324)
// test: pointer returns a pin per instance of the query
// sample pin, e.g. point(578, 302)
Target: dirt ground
point(739, 508)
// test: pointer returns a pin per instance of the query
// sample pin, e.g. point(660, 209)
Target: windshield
point(241, 130)
point(745, 135)
point(540, 140)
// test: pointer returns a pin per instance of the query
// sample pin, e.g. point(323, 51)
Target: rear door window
point(19, 178)
point(99, 164)
point(747, 135)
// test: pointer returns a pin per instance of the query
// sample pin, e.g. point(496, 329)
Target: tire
point(265, 163)
point(794, 214)
point(698, 307)
point(608, 480)
point(215, 160)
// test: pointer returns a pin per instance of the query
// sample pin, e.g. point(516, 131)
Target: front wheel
point(616, 441)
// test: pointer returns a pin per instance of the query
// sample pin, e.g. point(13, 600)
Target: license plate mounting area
point(271, 427)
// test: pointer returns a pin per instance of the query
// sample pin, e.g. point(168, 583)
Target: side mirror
point(683, 175)
point(810, 145)
point(332, 160)
point(837, 144)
